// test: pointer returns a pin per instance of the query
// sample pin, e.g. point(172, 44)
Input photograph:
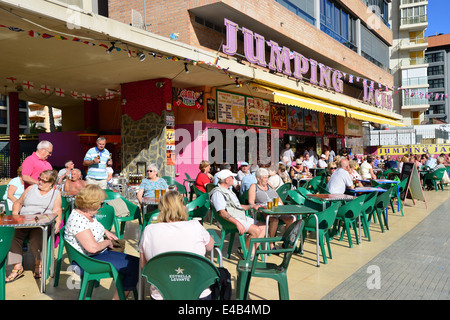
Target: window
point(435, 70)
point(337, 23)
point(414, 15)
point(416, 57)
point(435, 57)
point(436, 83)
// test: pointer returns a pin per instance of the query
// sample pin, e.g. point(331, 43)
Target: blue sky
point(438, 17)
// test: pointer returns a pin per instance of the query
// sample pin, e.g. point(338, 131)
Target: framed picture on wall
point(211, 109)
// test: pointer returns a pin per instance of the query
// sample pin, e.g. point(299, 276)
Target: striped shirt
point(97, 171)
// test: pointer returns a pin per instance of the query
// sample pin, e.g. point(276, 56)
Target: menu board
point(295, 118)
point(278, 116)
point(258, 112)
point(311, 120)
point(230, 108)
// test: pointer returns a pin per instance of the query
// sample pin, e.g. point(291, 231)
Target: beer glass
point(157, 194)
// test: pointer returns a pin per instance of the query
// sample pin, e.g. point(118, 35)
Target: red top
point(201, 180)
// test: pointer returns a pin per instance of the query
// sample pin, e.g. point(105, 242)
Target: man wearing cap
point(322, 163)
point(243, 171)
point(249, 179)
point(227, 205)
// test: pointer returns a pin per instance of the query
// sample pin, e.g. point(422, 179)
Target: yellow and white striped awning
point(288, 98)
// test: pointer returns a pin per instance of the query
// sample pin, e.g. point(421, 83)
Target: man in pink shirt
point(33, 165)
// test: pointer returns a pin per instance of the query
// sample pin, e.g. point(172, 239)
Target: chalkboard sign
point(413, 187)
point(407, 170)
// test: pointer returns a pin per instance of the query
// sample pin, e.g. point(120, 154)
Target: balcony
point(415, 23)
point(413, 44)
point(417, 82)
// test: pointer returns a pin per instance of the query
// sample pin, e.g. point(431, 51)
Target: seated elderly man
point(228, 207)
point(75, 184)
point(340, 180)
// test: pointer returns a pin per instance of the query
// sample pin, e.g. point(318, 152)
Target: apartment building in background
point(409, 64)
point(438, 57)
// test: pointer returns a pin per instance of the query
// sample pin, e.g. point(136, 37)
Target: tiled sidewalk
point(415, 267)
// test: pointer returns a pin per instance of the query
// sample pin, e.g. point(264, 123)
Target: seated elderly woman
point(73, 185)
point(151, 183)
point(204, 176)
point(174, 232)
point(40, 198)
point(14, 189)
point(88, 236)
point(260, 193)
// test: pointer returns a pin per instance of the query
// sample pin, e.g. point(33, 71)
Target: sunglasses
point(45, 181)
point(333, 168)
point(149, 170)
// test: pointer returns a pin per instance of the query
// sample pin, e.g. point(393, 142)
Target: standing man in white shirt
point(287, 152)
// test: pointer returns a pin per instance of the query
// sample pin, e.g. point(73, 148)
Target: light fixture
point(111, 48)
point(237, 83)
point(160, 84)
point(141, 56)
point(186, 68)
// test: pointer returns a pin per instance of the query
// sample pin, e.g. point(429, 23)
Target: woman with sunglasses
point(331, 169)
point(86, 234)
point(40, 198)
point(151, 183)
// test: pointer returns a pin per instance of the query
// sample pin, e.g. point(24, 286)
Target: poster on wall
point(258, 112)
point(170, 140)
point(311, 120)
point(230, 108)
point(295, 118)
point(278, 116)
point(187, 99)
point(330, 123)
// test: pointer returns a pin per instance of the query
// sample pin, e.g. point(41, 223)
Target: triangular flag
point(47, 36)
point(33, 34)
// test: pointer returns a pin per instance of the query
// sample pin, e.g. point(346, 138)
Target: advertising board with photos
point(238, 109)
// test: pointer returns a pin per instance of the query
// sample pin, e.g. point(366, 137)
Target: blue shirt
point(149, 187)
point(97, 171)
point(247, 181)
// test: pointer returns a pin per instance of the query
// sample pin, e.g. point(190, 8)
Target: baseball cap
point(322, 156)
point(244, 163)
point(225, 173)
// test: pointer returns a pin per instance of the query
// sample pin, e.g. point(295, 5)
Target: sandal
point(37, 272)
point(14, 275)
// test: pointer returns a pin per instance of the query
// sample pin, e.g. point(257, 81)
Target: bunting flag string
point(215, 63)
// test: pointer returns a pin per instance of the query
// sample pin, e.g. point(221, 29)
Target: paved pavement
point(415, 267)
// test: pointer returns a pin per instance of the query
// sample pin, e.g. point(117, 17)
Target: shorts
point(246, 222)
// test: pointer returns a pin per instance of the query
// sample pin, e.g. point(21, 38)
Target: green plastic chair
point(169, 180)
point(435, 176)
point(199, 207)
point(197, 191)
point(150, 217)
point(161, 269)
point(111, 195)
point(314, 184)
point(6, 238)
point(283, 191)
point(105, 216)
point(119, 222)
point(380, 207)
point(304, 192)
point(209, 187)
point(181, 189)
point(231, 229)
point(326, 220)
point(348, 213)
point(94, 271)
point(397, 195)
point(367, 209)
point(296, 197)
point(249, 268)
point(3, 189)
